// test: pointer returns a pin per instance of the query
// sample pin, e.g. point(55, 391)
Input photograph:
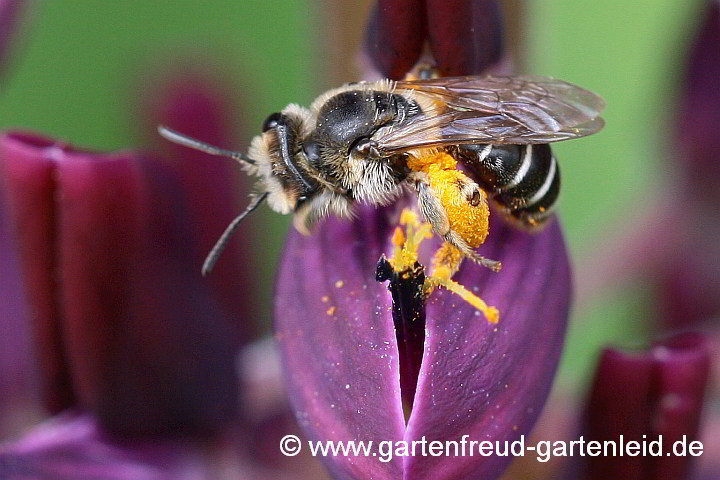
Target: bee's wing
point(499, 110)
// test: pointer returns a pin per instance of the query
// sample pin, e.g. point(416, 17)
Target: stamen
point(447, 261)
point(441, 278)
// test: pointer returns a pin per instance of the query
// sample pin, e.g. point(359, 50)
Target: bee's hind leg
point(456, 241)
point(434, 212)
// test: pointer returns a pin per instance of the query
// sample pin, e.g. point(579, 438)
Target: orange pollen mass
point(469, 217)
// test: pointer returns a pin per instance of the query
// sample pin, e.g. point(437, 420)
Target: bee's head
point(280, 161)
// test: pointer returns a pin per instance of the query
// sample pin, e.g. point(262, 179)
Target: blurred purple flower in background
point(119, 320)
point(654, 395)
point(104, 309)
point(641, 396)
point(689, 278)
point(672, 242)
point(674, 248)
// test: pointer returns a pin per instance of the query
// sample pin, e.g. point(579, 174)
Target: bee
point(367, 141)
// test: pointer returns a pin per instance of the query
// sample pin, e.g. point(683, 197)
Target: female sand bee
point(363, 142)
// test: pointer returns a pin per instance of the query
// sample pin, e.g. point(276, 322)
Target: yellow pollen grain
point(325, 299)
point(339, 284)
point(424, 232)
point(331, 311)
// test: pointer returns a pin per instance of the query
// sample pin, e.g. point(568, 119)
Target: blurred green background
point(75, 75)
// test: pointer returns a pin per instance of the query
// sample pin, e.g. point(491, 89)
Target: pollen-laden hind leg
point(458, 242)
point(455, 206)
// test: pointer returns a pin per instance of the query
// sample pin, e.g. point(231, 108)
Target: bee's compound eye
point(312, 151)
point(271, 122)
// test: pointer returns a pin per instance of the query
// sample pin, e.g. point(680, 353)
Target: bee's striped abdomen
point(523, 179)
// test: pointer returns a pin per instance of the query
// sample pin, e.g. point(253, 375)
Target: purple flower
point(635, 396)
point(395, 35)
point(673, 244)
point(110, 247)
point(334, 325)
point(648, 396)
point(139, 352)
point(689, 278)
point(465, 36)
point(76, 445)
point(73, 446)
point(121, 324)
point(363, 363)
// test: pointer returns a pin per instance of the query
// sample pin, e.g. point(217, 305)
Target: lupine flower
point(133, 346)
point(93, 251)
point(361, 366)
point(641, 396)
point(648, 396)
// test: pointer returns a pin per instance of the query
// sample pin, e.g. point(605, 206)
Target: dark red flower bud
point(395, 35)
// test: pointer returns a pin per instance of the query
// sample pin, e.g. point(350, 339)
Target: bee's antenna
point(181, 139)
point(220, 245)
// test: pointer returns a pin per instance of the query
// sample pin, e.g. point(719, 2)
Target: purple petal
point(28, 168)
point(466, 36)
point(340, 353)
point(268, 414)
point(17, 383)
point(409, 319)
point(689, 279)
point(74, 447)
point(106, 238)
point(491, 381)
point(395, 35)
point(650, 394)
point(335, 332)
